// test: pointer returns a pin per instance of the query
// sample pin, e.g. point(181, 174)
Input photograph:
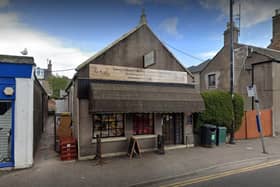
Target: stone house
point(196, 70)
point(133, 87)
point(253, 65)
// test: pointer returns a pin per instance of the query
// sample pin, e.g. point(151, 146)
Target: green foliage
point(57, 83)
point(219, 109)
point(238, 103)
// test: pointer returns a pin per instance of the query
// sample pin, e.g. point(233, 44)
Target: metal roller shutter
point(5, 130)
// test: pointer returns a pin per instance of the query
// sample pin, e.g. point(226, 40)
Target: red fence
point(248, 129)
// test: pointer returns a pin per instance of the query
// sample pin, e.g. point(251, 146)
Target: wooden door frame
point(173, 142)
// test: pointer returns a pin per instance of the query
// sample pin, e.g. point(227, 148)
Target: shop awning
point(129, 97)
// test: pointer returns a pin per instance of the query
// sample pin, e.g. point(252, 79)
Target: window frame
point(105, 120)
point(141, 130)
point(212, 83)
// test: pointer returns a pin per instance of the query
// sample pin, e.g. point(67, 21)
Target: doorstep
point(172, 147)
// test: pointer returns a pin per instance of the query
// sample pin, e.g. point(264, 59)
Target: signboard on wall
point(121, 73)
point(251, 90)
point(39, 73)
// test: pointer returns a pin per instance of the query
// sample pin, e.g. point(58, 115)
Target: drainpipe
point(252, 81)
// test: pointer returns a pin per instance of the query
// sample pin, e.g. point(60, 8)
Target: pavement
point(151, 169)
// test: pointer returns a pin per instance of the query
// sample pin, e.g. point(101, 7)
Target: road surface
point(265, 175)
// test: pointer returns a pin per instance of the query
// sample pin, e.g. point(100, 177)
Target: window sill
point(212, 87)
point(114, 139)
point(145, 136)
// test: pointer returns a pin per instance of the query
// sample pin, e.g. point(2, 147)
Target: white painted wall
point(24, 123)
point(61, 105)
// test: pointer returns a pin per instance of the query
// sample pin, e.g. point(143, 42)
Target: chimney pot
point(277, 11)
point(227, 34)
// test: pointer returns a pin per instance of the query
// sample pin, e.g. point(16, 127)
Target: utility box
point(221, 135)
point(208, 135)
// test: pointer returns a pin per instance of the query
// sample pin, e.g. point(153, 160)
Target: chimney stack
point(227, 34)
point(50, 66)
point(49, 70)
point(275, 41)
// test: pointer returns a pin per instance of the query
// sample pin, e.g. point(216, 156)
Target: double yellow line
point(223, 174)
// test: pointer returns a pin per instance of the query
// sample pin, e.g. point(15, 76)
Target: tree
point(58, 83)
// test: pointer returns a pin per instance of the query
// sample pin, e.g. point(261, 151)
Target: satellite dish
point(24, 52)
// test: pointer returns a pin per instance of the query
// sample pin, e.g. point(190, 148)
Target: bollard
point(160, 141)
point(98, 147)
point(98, 155)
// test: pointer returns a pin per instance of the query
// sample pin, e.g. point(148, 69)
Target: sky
point(69, 31)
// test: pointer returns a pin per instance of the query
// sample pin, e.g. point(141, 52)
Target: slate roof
point(108, 47)
point(124, 36)
point(199, 67)
point(270, 53)
point(17, 59)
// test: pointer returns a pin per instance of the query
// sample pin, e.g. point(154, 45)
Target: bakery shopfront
point(133, 87)
point(119, 102)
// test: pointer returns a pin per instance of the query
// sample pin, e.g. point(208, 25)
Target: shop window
point(143, 124)
point(108, 125)
point(212, 80)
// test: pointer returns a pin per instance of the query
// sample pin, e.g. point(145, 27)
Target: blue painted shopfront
point(8, 74)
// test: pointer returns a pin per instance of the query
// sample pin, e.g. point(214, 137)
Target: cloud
point(170, 25)
point(134, 2)
point(15, 36)
point(167, 2)
point(208, 54)
point(252, 11)
point(4, 3)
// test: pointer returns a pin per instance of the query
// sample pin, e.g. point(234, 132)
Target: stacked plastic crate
point(68, 148)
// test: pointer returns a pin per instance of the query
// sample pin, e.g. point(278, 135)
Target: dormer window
point(212, 80)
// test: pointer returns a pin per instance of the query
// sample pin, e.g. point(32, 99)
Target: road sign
point(251, 90)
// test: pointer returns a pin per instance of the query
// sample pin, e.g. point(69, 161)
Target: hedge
point(219, 110)
point(238, 110)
